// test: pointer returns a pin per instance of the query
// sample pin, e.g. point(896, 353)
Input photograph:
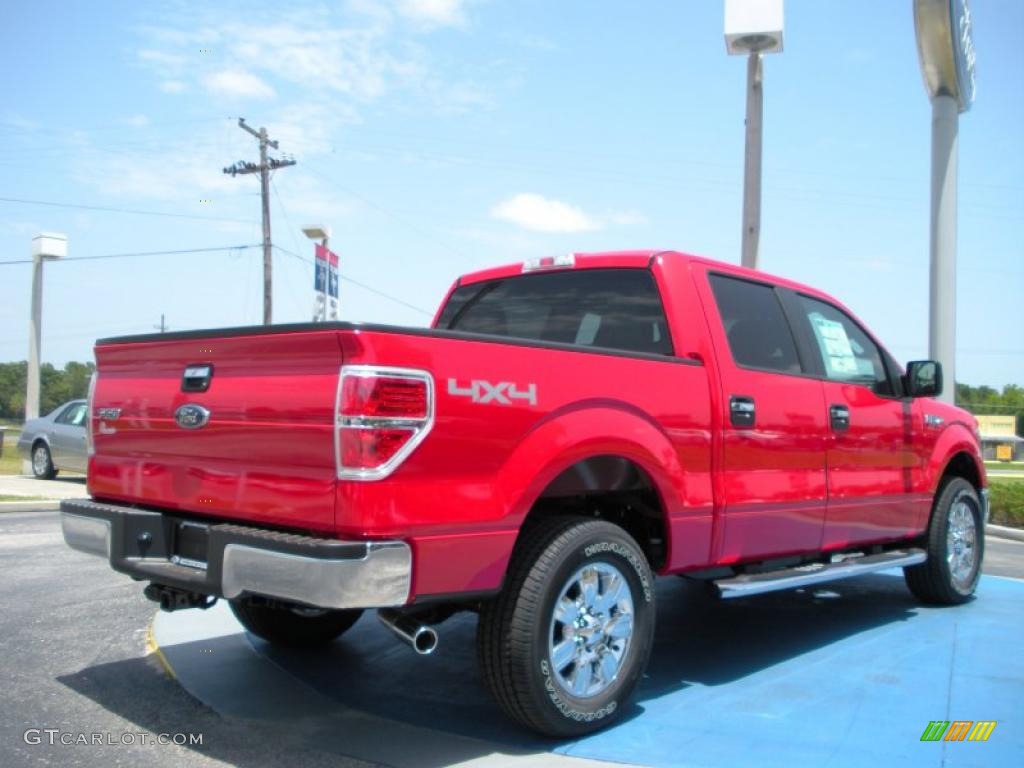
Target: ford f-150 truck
point(567, 428)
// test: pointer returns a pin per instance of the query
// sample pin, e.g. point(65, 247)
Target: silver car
point(56, 441)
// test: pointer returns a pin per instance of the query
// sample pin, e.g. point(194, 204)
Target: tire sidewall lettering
point(614, 547)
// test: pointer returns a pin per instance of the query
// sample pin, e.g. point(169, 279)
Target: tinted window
point(847, 353)
point(611, 308)
point(759, 335)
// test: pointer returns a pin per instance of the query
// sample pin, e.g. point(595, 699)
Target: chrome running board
point(816, 573)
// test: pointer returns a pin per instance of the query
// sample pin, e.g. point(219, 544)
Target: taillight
point(90, 444)
point(382, 414)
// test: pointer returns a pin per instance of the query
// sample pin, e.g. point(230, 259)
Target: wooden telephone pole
point(266, 165)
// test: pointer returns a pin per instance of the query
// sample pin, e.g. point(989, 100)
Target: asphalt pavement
point(74, 657)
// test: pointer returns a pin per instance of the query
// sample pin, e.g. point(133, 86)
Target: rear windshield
point(610, 308)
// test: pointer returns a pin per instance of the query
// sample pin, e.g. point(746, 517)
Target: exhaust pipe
point(407, 627)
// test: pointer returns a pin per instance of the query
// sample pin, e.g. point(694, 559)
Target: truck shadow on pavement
point(354, 692)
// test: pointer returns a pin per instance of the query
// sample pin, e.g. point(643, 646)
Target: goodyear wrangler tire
point(292, 626)
point(955, 544)
point(565, 643)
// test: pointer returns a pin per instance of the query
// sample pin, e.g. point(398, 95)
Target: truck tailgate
point(266, 453)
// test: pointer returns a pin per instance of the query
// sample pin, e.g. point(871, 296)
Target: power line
point(400, 219)
point(143, 253)
point(112, 209)
point(364, 286)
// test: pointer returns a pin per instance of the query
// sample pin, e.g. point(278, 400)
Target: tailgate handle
point(197, 378)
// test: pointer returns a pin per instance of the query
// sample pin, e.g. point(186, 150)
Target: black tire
point(936, 581)
point(292, 626)
point(517, 629)
point(42, 462)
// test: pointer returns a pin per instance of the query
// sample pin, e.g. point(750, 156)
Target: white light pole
point(323, 234)
point(946, 49)
point(753, 28)
point(47, 246)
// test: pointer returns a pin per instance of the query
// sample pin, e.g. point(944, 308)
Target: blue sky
point(440, 136)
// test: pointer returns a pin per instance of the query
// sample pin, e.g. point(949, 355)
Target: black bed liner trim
point(258, 330)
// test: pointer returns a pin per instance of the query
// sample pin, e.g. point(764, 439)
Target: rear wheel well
point(609, 488)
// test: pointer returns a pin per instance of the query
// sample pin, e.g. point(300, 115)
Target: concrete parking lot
point(844, 675)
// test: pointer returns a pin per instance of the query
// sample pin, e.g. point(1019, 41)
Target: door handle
point(742, 411)
point(839, 417)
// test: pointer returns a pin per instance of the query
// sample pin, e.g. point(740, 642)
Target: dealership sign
point(945, 44)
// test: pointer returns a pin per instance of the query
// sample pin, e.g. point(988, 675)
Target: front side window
point(609, 308)
point(847, 353)
point(755, 325)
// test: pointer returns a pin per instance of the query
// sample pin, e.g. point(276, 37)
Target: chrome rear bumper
point(240, 560)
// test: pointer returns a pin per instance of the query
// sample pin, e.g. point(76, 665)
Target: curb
point(152, 647)
point(1004, 532)
point(43, 505)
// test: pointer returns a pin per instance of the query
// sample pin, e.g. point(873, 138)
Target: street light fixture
point(753, 28)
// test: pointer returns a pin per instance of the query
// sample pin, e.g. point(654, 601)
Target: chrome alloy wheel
point(591, 629)
point(40, 460)
point(961, 542)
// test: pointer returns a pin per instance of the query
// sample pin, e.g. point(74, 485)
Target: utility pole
point(163, 324)
point(266, 165)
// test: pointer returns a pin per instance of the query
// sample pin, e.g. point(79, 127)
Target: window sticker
point(839, 357)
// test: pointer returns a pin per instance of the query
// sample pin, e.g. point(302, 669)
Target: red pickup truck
point(566, 429)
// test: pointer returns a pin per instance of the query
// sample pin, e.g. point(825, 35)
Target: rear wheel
point(565, 643)
point(290, 625)
point(42, 462)
point(956, 545)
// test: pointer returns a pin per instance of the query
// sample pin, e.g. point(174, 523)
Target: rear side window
point(759, 335)
point(73, 415)
point(610, 308)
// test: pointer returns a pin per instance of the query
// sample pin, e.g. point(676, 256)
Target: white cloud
point(627, 218)
point(173, 86)
point(239, 83)
point(434, 13)
point(136, 121)
point(541, 214)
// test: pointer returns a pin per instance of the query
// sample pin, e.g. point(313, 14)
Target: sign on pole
point(325, 283)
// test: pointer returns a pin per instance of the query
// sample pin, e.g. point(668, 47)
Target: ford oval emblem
point(191, 416)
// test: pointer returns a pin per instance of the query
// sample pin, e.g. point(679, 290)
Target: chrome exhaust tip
point(408, 628)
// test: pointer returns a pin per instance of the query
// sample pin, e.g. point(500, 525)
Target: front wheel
point(42, 462)
point(565, 643)
point(292, 626)
point(955, 545)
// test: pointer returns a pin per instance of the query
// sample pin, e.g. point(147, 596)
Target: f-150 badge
point(502, 393)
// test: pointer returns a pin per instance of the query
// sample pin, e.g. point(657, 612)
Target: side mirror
point(924, 378)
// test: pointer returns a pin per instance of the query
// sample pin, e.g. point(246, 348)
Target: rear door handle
point(839, 417)
point(742, 411)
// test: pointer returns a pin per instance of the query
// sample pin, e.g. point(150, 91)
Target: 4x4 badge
point(503, 393)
